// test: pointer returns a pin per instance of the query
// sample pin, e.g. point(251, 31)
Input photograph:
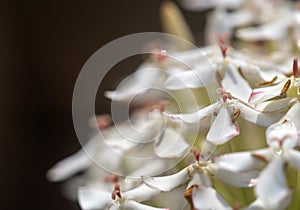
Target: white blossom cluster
point(209, 156)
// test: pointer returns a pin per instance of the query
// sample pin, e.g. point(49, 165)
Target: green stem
point(298, 190)
point(238, 192)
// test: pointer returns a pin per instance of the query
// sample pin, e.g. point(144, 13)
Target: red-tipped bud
point(223, 51)
point(160, 56)
point(295, 67)
point(103, 121)
point(118, 193)
point(196, 153)
point(111, 178)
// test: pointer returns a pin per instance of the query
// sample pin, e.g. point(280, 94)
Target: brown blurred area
point(44, 44)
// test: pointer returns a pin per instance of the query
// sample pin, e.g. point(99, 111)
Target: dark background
point(44, 44)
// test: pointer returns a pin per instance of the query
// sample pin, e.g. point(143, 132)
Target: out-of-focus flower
point(98, 199)
point(199, 175)
point(167, 141)
point(115, 142)
point(227, 109)
point(81, 160)
point(231, 68)
point(222, 22)
point(273, 29)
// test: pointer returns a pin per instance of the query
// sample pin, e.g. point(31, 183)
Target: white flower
point(149, 78)
point(274, 28)
point(96, 199)
point(227, 109)
point(114, 142)
point(226, 69)
point(95, 149)
point(222, 22)
point(167, 141)
point(285, 86)
point(271, 189)
point(208, 198)
point(198, 176)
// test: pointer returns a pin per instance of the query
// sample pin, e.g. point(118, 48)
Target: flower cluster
point(208, 154)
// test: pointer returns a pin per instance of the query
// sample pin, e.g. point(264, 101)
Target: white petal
point(262, 94)
point(194, 57)
point(199, 76)
point(141, 193)
point(68, 167)
point(236, 179)
point(222, 129)
point(271, 186)
point(241, 17)
point(264, 154)
point(133, 205)
point(202, 179)
point(238, 162)
point(240, 169)
point(194, 117)
point(93, 199)
point(258, 33)
point(279, 105)
point(171, 144)
point(296, 17)
point(255, 71)
point(141, 133)
point(234, 83)
point(153, 167)
point(293, 158)
point(147, 76)
point(123, 144)
point(283, 134)
point(293, 115)
point(207, 198)
point(263, 118)
point(168, 183)
point(260, 204)
point(74, 163)
point(218, 25)
point(270, 31)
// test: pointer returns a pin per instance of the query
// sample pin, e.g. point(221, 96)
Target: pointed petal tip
point(51, 175)
point(54, 174)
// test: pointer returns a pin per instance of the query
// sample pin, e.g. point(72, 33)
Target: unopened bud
point(295, 67)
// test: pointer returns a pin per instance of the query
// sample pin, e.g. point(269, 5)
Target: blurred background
point(44, 45)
